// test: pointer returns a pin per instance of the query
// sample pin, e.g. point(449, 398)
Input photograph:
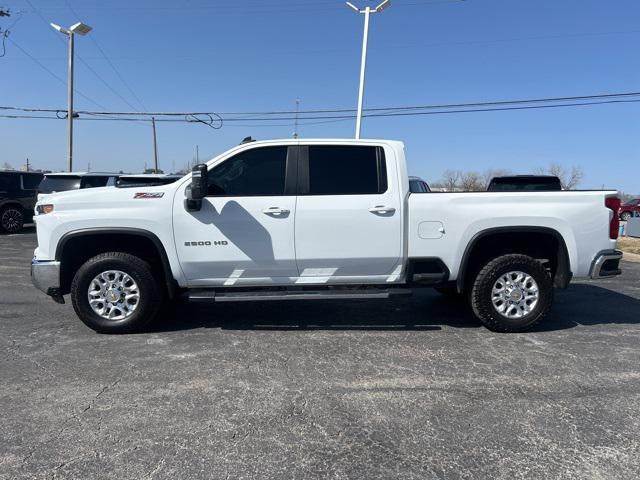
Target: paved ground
point(411, 389)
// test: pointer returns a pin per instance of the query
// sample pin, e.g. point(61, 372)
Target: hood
point(103, 197)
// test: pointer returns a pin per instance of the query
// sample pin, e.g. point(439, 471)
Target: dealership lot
point(408, 389)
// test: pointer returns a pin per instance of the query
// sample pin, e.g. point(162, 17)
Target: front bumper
point(606, 264)
point(45, 276)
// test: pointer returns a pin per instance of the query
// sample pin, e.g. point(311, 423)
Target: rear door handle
point(276, 211)
point(382, 209)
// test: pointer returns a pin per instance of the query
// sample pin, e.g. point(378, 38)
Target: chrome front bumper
point(45, 276)
point(606, 264)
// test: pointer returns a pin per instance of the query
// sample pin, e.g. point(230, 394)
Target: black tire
point(482, 291)
point(150, 292)
point(11, 219)
point(625, 216)
point(449, 292)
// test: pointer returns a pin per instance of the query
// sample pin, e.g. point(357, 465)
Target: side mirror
point(198, 188)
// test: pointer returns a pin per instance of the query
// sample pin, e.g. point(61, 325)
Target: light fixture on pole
point(367, 11)
point(79, 29)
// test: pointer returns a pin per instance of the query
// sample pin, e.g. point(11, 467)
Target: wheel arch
point(100, 237)
point(12, 203)
point(562, 267)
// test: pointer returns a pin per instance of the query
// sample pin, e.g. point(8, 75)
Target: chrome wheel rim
point(515, 294)
point(11, 220)
point(113, 295)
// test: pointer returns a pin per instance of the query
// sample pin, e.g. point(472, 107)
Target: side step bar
point(279, 295)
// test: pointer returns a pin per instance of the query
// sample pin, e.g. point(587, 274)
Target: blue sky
point(248, 55)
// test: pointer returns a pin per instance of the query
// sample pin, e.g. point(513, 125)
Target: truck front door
point(244, 232)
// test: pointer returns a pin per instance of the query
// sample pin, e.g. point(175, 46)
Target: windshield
point(59, 184)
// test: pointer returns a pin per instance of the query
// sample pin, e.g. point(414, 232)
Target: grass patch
point(629, 244)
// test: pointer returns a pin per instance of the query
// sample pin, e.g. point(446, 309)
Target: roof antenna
point(295, 126)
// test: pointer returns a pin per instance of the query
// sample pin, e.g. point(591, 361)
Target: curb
point(630, 257)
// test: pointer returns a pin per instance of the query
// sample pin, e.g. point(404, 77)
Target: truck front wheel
point(115, 292)
point(511, 293)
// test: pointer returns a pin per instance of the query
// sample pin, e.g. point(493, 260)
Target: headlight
point(44, 209)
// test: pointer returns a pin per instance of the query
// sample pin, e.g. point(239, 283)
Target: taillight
point(613, 204)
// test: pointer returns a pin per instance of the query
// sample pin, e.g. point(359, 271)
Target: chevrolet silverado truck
point(316, 219)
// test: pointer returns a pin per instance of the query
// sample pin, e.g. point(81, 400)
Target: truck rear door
point(348, 213)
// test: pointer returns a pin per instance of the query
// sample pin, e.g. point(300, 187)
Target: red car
point(627, 210)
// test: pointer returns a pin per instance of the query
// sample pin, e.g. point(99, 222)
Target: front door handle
point(276, 211)
point(382, 209)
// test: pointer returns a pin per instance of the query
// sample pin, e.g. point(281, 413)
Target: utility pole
point(363, 62)
point(28, 165)
point(197, 155)
point(155, 144)
point(295, 127)
point(81, 29)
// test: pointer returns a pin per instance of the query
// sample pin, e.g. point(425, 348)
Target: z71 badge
point(149, 195)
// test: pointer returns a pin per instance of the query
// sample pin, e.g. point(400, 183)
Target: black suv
point(17, 199)
point(62, 182)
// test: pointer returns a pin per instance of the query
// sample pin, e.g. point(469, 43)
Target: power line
point(574, 98)
point(96, 74)
point(371, 113)
point(113, 67)
point(259, 8)
point(60, 79)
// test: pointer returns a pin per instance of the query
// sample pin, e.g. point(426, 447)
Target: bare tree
point(7, 166)
point(569, 179)
point(450, 179)
point(471, 182)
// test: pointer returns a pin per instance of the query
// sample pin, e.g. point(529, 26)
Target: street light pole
point(363, 61)
point(363, 68)
point(70, 105)
point(81, 29)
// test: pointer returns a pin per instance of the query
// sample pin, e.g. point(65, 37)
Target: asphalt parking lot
point(413, 388)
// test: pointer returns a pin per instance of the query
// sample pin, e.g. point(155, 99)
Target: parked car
point(17, 199)
point(418, 185)
point(145, 180)
point(316, 219)
point(525, 183)
point(630, 209)
point(62, 182)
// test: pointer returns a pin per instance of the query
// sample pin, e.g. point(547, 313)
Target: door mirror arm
point(198, 188)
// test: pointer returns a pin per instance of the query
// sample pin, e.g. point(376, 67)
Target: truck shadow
point(588, 304)
point(579, 305)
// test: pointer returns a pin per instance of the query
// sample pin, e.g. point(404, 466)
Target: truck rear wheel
point(511, 293)
point(116, 292)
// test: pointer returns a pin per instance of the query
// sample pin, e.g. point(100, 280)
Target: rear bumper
point(45, 276)
point(606, 264)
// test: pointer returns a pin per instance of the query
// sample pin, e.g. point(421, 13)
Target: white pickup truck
point(316, 219)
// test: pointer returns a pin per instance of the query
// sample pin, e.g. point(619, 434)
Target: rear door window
point(94, 181)
point(5, 183)
point(30, 182)
point(59, 184)
point(345, 170)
